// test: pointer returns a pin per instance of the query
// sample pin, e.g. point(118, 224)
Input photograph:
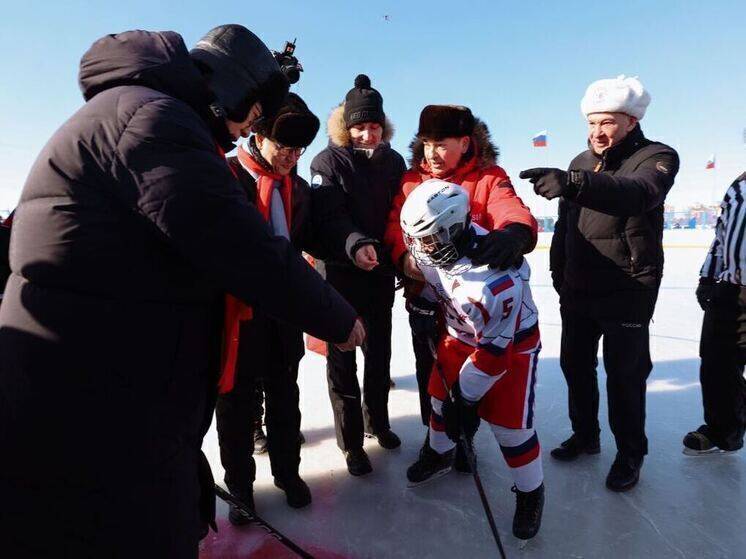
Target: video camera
point(289, 65)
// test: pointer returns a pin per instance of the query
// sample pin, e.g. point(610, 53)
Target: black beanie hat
point(240, 71)
point(293, 126)
point(363, 103)
point(445, 121)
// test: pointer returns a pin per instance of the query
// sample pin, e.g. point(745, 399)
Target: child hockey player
point(489, 353)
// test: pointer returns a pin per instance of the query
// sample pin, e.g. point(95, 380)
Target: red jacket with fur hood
point(494, 203)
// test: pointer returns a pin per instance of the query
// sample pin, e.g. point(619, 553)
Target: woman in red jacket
point(453, 145)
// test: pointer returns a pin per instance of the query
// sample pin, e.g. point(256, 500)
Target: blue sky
point(521, 66)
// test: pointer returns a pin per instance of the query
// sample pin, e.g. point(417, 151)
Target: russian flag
point(540, 140)
point(500, 284)
point(710, 162)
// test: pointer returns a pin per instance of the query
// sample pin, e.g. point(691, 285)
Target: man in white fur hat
point(607, 263)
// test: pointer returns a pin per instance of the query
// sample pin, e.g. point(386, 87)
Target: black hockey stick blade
point(257, 520)
point(471, 459)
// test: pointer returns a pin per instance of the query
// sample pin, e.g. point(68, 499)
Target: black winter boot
point(235, 515)
point(624, 473)
point(386, 439)
point(528, 509)
point(358, 463)
point(296, 490)
point(574, 447)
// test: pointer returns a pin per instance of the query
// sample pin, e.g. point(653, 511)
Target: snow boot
point(358, 463)
point(528, 509)
point(429, 466)
point(624, 473)
point(236, 516)
point(297, 493)
point(386, 439)
point(575, 446)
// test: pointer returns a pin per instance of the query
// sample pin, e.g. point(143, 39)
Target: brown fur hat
point(340, 135)
point(293, 126)
point(486, 151)
point(445, 121)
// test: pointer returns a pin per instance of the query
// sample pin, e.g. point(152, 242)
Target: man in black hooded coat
point(130, 229)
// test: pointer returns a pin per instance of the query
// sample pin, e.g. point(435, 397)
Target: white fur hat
point(616, 95)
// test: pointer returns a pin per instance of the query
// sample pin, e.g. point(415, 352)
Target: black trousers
point(353, 417)
point(626, 354)
point(261, 358)
point(424, 338)
point(723, 352)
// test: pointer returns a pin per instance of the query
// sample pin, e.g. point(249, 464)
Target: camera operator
point(110, 326)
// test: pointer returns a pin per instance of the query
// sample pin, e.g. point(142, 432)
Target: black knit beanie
point(363, 103)
point(293, 126)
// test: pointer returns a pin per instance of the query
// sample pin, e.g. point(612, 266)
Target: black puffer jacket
point(607, 244)
point(351, 195)
point(129, 230)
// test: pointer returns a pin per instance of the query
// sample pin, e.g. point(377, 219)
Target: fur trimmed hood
point(487, 152)
point(340, 136)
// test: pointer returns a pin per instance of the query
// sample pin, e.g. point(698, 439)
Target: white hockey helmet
point(432, 218)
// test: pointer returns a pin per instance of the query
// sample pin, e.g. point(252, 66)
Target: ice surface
point(683, 507)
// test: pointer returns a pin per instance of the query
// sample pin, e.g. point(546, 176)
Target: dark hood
point(158, 60)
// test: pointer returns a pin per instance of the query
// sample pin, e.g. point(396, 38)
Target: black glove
point(459, 412)
point(550, 183)
point(501, 248)
point(423, 317)
point(704, 292)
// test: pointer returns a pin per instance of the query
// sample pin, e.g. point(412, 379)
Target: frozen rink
point(683, 507)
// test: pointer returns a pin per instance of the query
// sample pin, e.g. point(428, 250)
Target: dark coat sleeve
point(305, 235)
point(185, 189)
point(636, 193)
point(331, 216)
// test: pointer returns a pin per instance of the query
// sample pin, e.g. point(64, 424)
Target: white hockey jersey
point(488, 309)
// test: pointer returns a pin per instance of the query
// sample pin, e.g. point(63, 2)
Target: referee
point(722, 295)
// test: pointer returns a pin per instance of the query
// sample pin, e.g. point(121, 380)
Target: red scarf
point(237, 311)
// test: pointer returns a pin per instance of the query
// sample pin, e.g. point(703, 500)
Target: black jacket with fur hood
point(352, 194)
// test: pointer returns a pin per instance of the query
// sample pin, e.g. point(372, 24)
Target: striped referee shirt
point(726, 259)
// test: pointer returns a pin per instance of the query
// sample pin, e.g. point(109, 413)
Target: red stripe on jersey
point(523, 459)
point(480, 307)
point(492, 361)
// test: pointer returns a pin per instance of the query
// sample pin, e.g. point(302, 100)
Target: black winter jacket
point(129, 230)
point(607, 243)
point(351, 195)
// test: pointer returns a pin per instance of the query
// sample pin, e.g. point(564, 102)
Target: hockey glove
point(501, 248)
point(704, 292)
point(458, 414)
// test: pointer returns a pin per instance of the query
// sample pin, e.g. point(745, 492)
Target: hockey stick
point(470, 457)
point(251, 515)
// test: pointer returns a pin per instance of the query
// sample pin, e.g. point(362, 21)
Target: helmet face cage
point(435, 249)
